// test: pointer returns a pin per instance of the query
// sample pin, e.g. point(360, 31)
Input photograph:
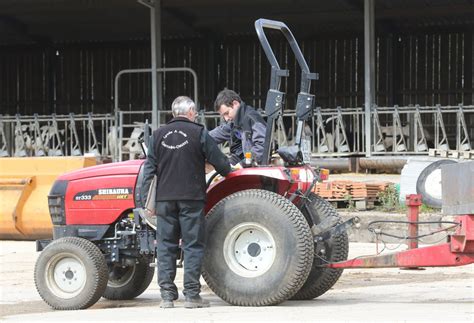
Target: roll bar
point(274, 104)
point(306, 75)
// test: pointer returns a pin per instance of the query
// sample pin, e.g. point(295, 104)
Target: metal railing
point(395, 130)
point(149, 70)
point(55, 135)
point(131, 128)
point(333, 132)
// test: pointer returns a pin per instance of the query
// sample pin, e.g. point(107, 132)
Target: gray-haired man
point(177, 155)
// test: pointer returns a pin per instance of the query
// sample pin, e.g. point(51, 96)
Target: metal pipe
point(145, 70)
point(156, 78)
point(413, 202)
point(339, 164)
point(159, 70)
point(382, 163)
point(373, 163)
point(155, 46)
point(369, 67)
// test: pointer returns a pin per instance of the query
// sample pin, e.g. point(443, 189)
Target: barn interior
point(405, 66)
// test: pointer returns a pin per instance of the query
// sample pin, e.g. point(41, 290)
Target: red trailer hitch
point(458, 251)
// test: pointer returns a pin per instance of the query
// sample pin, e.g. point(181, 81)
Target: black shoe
point(166, 303)
point(196, 302)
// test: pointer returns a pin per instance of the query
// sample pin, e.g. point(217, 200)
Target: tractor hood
point(122, 168)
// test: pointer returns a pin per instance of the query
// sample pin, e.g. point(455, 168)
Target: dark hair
point(226, 97)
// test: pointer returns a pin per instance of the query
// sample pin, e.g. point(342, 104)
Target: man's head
point(183, 106)
point(227, 104)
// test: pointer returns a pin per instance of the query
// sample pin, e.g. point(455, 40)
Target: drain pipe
point(355, 164)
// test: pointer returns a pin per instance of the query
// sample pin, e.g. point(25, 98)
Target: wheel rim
point(66, 275)
point(249, 249)
point(433, 184)
point(119, 276)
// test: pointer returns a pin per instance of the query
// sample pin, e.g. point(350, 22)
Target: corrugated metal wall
point(425, 69)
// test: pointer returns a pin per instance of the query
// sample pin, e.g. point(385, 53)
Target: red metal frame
point(458, 251)
point(413, 202)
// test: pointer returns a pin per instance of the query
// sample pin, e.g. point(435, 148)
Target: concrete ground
point(434, 294)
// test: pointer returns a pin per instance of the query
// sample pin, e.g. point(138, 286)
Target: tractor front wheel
point(71, 274)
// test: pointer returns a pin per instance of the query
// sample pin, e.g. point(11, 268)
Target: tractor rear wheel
point(71, 274)
point(130, 281)
point(259, 249)
point(320, 279)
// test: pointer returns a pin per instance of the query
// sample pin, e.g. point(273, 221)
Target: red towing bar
point(458, 251)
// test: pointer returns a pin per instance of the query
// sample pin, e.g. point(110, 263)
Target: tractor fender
point(271, 178)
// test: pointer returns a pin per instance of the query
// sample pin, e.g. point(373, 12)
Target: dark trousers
point(175, 219)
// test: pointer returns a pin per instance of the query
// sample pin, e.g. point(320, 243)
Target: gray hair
point(181, 106)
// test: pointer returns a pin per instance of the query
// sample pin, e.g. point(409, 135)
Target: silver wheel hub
point(65, 275)
point(249, 249)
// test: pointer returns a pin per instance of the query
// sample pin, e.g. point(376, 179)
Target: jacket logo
point(175, 133)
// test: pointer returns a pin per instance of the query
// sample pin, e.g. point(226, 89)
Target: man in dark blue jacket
point(244, 128)
point(177, 155)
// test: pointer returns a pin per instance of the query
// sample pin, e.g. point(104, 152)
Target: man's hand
point(209, 168)
point(235, 167)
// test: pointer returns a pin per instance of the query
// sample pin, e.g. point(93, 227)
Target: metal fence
point(339, 132)
point(394, 130)
point(55, 135)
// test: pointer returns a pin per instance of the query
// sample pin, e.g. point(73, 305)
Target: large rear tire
point(128, 282)
point(71, 274)
point(320, 279)
point(259, 249)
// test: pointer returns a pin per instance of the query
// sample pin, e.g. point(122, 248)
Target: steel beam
point(369, 67)
point(156, 78)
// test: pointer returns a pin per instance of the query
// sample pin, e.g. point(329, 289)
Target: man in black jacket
point(177, 155)
point(244, 128)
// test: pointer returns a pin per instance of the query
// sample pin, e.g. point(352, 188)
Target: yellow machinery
point(24, 187)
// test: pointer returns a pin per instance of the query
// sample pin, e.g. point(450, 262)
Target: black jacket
point(177, 155)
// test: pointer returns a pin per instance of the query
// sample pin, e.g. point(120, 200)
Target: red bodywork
point(108, 176)
point(87, 201)
point(458, 251)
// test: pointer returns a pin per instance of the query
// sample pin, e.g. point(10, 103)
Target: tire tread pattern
point(144, 276)
point(100, 278)
point(340, 249)
point(304, 245)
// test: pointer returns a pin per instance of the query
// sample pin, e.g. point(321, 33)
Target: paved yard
point(434, 294)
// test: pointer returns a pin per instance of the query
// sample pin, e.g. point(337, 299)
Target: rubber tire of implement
point(293, 248)
point(95, 267)
point(428, 199)
point(320, 280)
point(142, 275)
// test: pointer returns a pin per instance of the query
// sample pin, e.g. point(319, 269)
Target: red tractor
point(268, 234)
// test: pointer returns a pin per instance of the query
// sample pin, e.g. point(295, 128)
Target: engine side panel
point(99, 200)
